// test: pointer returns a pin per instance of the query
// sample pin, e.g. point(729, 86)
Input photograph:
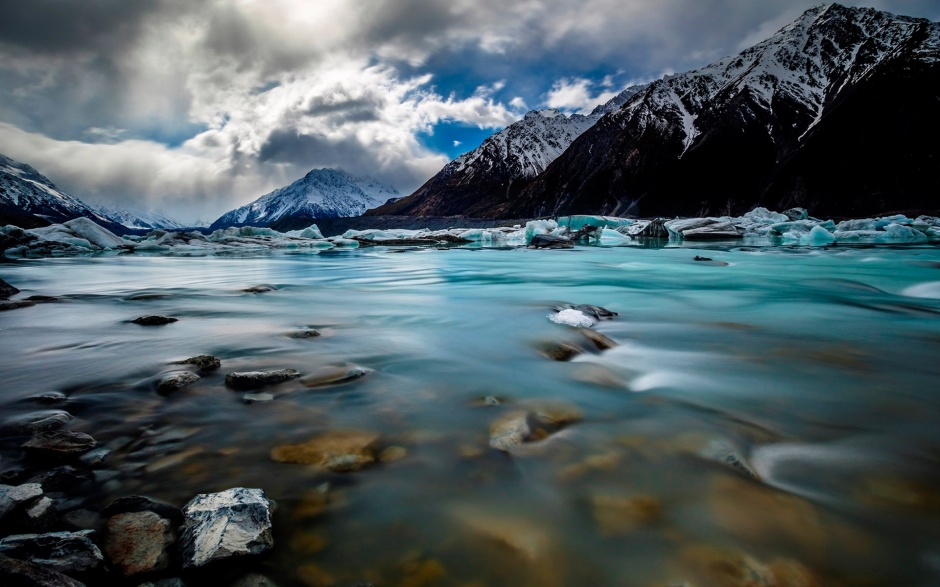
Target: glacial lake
point(771, 421)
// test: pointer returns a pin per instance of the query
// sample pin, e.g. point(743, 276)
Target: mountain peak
point(321, 193)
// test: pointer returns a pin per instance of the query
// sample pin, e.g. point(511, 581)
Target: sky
point(195, 107)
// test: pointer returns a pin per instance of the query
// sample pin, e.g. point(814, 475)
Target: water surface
point(814, 371)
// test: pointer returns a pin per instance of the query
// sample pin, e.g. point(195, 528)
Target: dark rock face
point(17, 573)
point(65, 552)
point(235, 522)
point(836, 113)
point(154, 320)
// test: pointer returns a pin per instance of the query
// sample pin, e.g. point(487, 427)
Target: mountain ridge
point(321, 193)
point(747, 130)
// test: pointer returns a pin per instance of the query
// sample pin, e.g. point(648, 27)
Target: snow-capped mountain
point(29, 199)
point(322, 193)
point(837, 112)
point(137, 219)
point(503, 162)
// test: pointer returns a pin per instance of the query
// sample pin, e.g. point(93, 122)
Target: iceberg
point(575, 223)
point(534, 227)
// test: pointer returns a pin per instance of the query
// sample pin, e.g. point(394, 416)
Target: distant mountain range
point(837, 112)
point(28, 199)
point(322, 193)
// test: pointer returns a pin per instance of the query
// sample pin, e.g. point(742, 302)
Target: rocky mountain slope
point(837, 112)
point(137, 219)
point(503, 164)
point(322, 193)
point(28, 199)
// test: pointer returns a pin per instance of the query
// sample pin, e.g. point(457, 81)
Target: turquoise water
point(776, 418)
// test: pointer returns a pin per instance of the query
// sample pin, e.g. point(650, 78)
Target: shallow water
point(816, 369)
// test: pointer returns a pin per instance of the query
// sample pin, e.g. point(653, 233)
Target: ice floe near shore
point(759, 226)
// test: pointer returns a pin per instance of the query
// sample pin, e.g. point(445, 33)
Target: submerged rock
point(18, 573)
point(65, 552)
point(304, 333)
point(154, 320)
point(7, 290)
point(234, 522)
point(51, 397)
point(538, 420)
point(138, 542)
point(33, 422)
point(549, 241)
point(263, 288)
point(15, 304)
point(616, 515)
point(561, 351)
point(203, 362)
point(249, 379)
point(341, 451)
point(175, 381)
point(601, 342)
point(334, 375)
point(596, 312)
point(61, 443)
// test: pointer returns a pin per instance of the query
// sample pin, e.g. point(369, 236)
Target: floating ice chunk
point(610, 236)
point(343, 242)
point(930, 289)
point(372, 234)
point(817, 236)
point(534, 227)
point(897, 232)
point(764, 216)
point(570, 317)
point(96, 235)
point(312, 231)
point(477, 235)
point(575, 223)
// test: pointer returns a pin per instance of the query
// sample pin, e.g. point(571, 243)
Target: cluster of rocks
point(48, 537)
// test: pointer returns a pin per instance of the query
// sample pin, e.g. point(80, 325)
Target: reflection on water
point(769, 422)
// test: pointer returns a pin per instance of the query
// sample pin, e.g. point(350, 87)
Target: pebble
point(139, 542)
point(41, 514)
point(305, 333)
point(61, 443)
point(339, 450)
point(203, 362)
point(334, 375)
point(33, 422)
point(175, 381)
point(249, 379)
point(154, 320)
point(263, 288)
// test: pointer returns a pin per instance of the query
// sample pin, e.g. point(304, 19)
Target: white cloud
point(457, 143)
point(577, 95)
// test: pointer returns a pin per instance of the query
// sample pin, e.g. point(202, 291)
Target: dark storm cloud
point(209, 102)
point(65, 26)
